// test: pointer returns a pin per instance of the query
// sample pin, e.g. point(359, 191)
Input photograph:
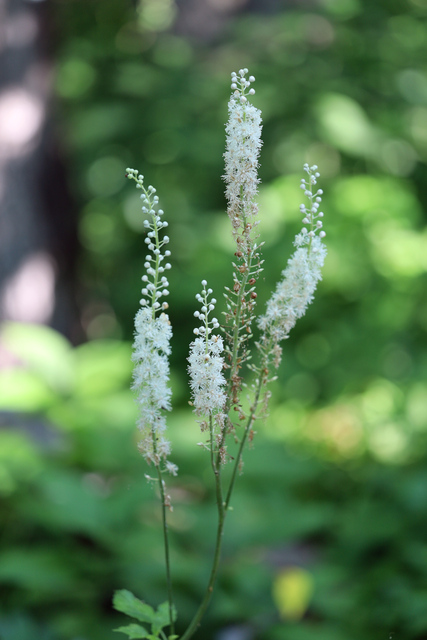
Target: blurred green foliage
point(336, 485)
point(80, 520)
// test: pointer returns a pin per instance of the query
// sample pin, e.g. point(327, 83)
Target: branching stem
point(223, 507)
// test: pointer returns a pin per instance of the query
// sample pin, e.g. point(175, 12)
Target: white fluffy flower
point(205, 360)
point(171, 468)
point(299, 280)
point(206, 378)
point(243, 145)
point(153, 333)
point(150, 381)
point(295, 291)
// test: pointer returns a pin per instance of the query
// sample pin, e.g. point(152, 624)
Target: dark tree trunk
point(38, 226)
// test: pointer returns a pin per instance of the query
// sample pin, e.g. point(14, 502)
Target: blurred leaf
point(100, 124)
point(22, 627)
point(344, 124)
point(43, 351)
point(127, 603)
point(40, 569)
point(19, 461)
point(292, 590)
point(161, 617)
point(376, 199)
point(302, 630)
point(134, 631)
point(68, 502)
point(23, 390)
point(102, 367)
point(74, 78)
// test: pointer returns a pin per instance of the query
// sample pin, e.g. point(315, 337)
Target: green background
point(335, 486)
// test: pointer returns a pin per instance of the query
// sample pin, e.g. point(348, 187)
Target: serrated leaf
point(134, 631)
point(127, 603)
point(161, 617)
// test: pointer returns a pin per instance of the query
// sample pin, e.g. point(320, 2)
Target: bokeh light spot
point(74, 78)
point(412, 85)
point(98, 227)
point(313, 351)
point(171, 51)
point(343, 9)
point(105, 176)
point(416, 406)
point(156, 15)
point(132, 212)
point(398, 157)
point(388, 442)
point(162, 147)
point(344, 124)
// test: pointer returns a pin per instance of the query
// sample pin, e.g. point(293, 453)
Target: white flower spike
point(243, 145)
point(205, 361)
point(153, 333)
point(299, 280)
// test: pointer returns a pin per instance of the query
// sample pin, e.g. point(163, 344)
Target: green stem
point(249, 424)
point(166, 541)
point(192, 627)
point(236, 342)
point(222, 512)
point(216, 468)
point(216, 460)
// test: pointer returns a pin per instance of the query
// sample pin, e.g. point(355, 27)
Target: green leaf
point(101, 367)
point(127, 603)
point(173, 637)
point(163, 609)
point(161, 617)
point(44, 353)
point(134, 631)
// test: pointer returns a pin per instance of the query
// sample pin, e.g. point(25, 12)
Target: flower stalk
point(216, 363)
point(151, 349)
